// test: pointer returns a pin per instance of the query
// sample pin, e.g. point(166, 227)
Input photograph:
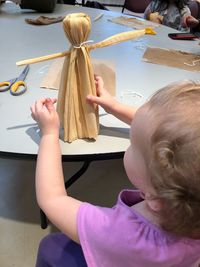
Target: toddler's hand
point(44, 113)
point(103, 98)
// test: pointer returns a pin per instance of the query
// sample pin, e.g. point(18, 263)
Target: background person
point(171, 13)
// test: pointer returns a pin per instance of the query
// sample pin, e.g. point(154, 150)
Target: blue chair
point(194, 8)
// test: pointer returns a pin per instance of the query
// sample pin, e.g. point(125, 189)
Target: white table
point(18, 132)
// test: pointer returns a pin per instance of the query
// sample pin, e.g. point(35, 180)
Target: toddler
point(171, 13)
point(156, 225)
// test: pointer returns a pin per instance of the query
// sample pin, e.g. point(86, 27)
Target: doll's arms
point(109, 104)
point(50, 190)
point(147, 12)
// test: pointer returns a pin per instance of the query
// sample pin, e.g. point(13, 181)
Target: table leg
point(68, 183)
point(43, 220)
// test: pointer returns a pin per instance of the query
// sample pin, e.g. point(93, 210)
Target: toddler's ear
point(154, 204)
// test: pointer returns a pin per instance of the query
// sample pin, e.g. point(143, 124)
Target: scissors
point(17, 86)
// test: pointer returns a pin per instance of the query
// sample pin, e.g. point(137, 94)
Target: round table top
point(135, 80)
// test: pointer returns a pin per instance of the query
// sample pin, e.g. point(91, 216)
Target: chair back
point(194, 7)
point(137, 6)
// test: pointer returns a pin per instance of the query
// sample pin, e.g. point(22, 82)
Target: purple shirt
point(121, 237)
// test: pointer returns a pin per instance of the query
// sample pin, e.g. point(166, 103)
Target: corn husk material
point(78, 118)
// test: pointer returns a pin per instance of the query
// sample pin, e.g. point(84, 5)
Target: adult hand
point(45, 114)
point(191, 22)
point(155, 17)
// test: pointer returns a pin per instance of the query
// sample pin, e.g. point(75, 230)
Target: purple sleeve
point(119, 236)
point(93, 223)
point(112, 236)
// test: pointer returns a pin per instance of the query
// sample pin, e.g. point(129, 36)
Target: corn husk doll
point(79, 119)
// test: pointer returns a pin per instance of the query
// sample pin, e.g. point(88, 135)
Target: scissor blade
point(22, 76)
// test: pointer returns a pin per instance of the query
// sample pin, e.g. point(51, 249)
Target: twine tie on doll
point(83, 43)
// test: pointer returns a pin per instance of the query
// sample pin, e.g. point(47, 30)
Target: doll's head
point(77, 27)
point(165, 135)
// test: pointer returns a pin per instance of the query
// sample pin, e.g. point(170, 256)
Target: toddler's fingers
point(54, 100)
point(96, 76)
point(33, 116)
point(98, 79)
point(39, 104)
point(99, 85)
point(32, 108)
point(49, 104)
point(93, 99)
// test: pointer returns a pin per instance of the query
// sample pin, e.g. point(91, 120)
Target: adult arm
point(46, 6)
point(197, 28)
point(193, 24)
point(147, 12)
point(185, 14)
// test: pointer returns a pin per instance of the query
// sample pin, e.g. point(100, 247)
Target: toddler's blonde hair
point(174, 157)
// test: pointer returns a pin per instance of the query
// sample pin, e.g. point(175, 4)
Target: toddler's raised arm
point(52, 197)
point(109, 104)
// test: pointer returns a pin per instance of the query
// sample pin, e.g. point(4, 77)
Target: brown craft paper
point(103, 68)
point(43, 20)
point(172, 58)
point(133, 22)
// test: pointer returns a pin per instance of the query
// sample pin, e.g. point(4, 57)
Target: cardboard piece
point(134, 23)
point(43, 20)
point(102, 68)
point(172, 58)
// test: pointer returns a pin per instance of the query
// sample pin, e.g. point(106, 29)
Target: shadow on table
point(114, 131)
point(119, 132)
point(34, 133)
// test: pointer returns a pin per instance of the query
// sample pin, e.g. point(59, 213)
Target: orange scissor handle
point(4, 86)
point(18, 88)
